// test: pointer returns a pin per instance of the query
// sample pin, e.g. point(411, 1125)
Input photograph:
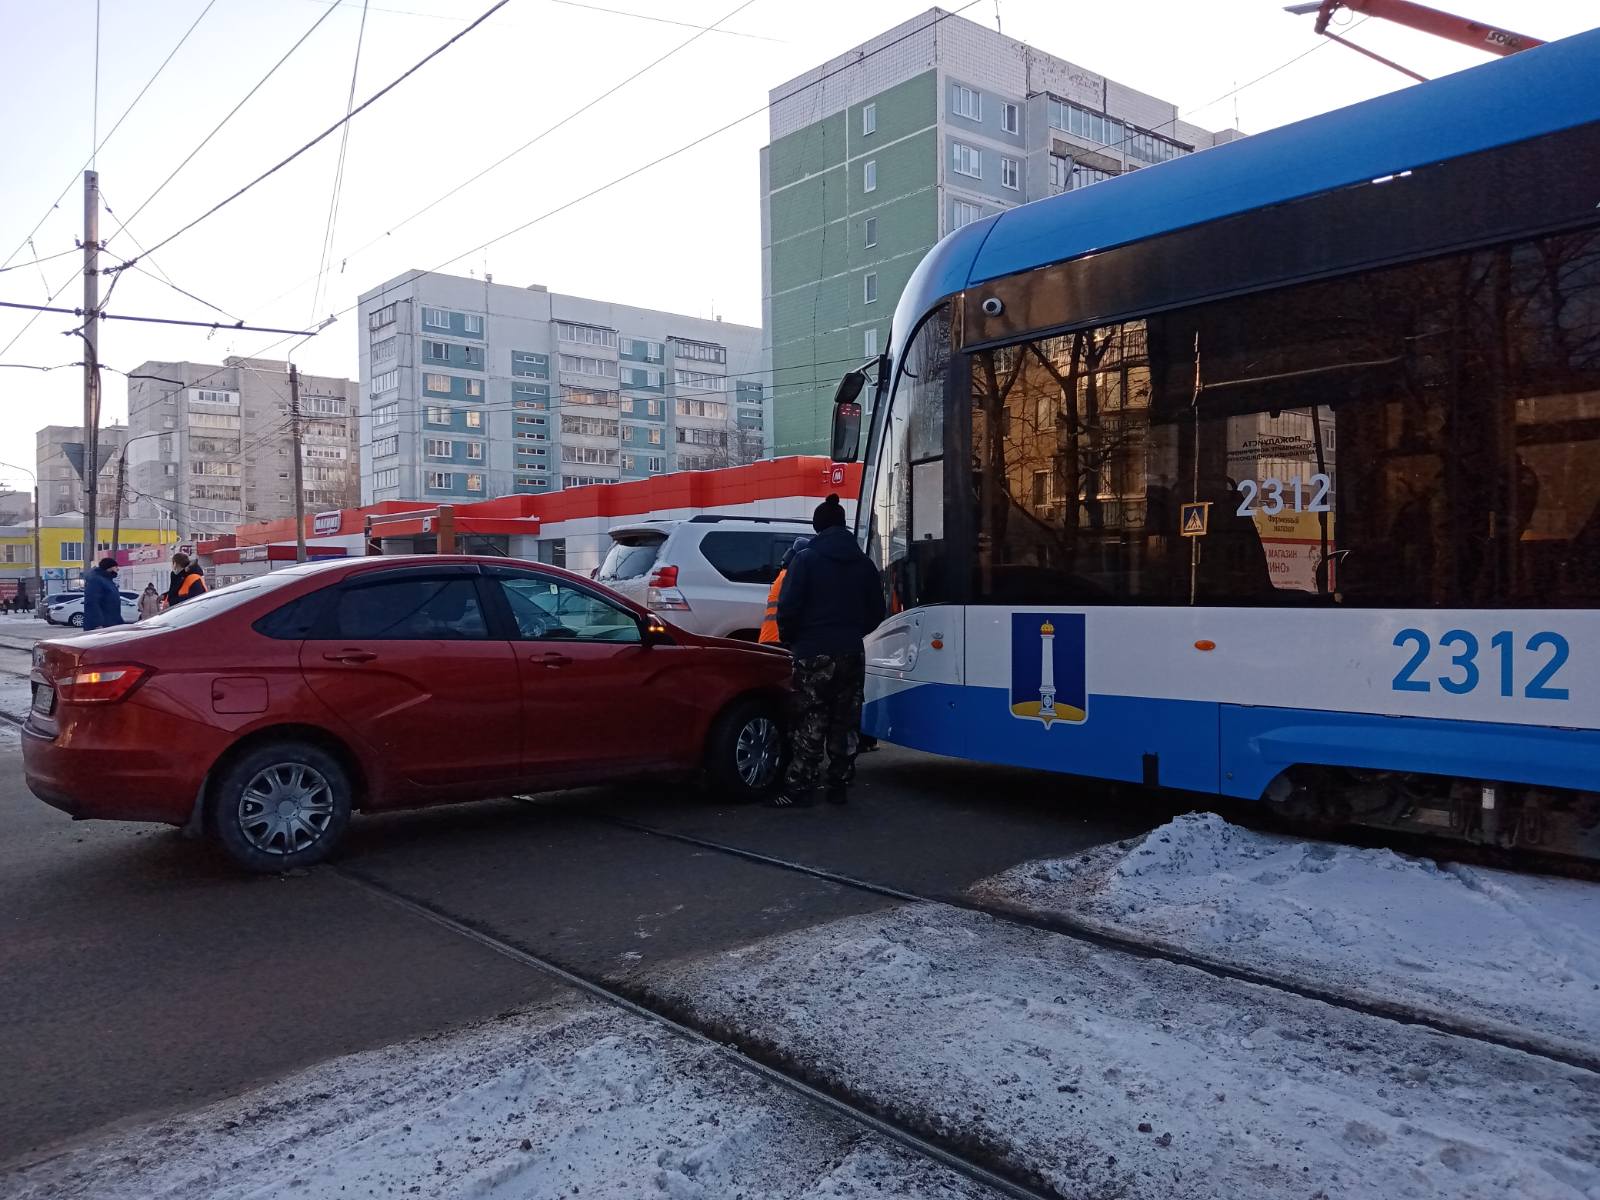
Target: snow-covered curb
point(1514, 955)
point(583, 1102)
point(1108, 1075)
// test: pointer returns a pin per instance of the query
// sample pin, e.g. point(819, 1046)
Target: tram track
point(946, 1148)
point(1147, 949)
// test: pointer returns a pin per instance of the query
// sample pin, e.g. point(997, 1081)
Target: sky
point(683, 234)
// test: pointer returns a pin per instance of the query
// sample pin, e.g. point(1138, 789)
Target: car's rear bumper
point(106, 776)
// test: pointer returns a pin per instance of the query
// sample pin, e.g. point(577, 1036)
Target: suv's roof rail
point(711, 518)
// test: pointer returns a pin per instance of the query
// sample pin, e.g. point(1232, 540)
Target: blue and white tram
point(1272, 471)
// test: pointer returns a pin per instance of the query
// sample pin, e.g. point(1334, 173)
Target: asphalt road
point(139, 973)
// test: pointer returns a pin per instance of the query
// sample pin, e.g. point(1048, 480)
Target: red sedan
point(264, 713)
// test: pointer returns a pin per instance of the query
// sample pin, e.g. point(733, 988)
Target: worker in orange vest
point(769, 623)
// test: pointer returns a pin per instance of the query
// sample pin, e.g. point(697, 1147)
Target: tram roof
point(1527, 95)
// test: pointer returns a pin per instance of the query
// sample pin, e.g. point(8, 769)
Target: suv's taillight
point(100, 685)
point(664, 577)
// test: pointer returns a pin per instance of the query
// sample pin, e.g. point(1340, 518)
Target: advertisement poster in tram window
point(1293, 542)
point(1048, 668)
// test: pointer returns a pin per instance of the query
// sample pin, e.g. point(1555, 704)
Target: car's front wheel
point(76, 620)
point(281, 805)
point(744, 754)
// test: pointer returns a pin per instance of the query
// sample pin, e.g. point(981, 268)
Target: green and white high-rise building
point(880, 152)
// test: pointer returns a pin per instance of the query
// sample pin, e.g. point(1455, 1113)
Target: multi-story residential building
point(880, 152)
point(59, 464)
point(211, 447)
point(477, 389)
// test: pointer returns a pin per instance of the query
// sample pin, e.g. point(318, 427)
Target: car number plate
point(44, 699)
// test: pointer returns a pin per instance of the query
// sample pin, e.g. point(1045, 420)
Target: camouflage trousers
point(825, 713)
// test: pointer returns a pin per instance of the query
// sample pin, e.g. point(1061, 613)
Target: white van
point(709, 574)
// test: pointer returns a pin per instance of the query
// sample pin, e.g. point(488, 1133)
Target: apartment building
point(59, 466)
point(210, 446)
point(477, 389)
point(876, 154)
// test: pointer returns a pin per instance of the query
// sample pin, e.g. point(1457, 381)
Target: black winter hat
point(107, 564)
point(829, 513)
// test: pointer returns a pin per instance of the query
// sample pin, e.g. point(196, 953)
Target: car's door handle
point(552, 659)
point(350, 656)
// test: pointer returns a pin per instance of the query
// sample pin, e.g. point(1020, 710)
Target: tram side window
point(1422, 436)
point(906, 538)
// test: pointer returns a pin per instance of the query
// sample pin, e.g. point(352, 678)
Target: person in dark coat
point(102, 599)
point(831, 599)
point(187, 581)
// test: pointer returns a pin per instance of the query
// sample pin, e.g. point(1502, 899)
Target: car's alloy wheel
point(75, 620)
point(285, 809)
point(758, 752)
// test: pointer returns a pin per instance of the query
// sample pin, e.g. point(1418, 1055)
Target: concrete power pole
point(91, 366)
point(299, 473)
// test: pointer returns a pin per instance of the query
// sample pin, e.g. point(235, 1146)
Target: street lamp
point(294, 425)
point(38, 584)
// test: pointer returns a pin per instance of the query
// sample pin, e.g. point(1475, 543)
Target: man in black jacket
point(831, 599)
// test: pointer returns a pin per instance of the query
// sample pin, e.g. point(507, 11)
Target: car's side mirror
point(846, 444)
point(653, 631)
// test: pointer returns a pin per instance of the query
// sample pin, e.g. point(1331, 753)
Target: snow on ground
point(1502, 951)
point(559, 1102)
point(16, 695)
point(1111, 1075)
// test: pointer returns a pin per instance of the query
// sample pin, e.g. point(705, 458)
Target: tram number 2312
point(1548, 653)
point(1273, 496)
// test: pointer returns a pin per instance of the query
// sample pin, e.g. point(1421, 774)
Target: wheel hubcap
point(286, 808)
point(755, 753)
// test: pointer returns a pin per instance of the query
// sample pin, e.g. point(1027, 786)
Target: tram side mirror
point(847, 418)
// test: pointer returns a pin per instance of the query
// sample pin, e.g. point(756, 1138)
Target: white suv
point(709, 574)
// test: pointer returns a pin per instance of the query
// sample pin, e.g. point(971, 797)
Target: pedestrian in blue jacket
point(102, 599)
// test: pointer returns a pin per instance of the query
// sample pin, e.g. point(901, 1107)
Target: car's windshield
point(632, 555)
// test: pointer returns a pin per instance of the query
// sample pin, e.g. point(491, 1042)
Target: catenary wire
point(78, 173)
point(338, 170)
point(365, 104)
point(529, 144)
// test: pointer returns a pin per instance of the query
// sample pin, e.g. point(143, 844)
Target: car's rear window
point(746, 556)
point(213, 604)
point(632, 555)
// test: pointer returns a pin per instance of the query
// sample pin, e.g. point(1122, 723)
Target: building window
point(439, 384)
point(71, 551)
point(869, 119)
point(474, 451)
point(434, 415)
point(435, 318)
point(472, 323)
point(869, 175)
point(869, 288)
point(588, 335)
point(869, 232)
point(655, 437)
point(436, 447)
point(963, 213)
point(869, 343)
point(968, 161)
point(441, 480)
point(969, 103)
point(380, 317)
point(583, 365)
point(385, 414)
point(385, 446)
point(387, 479)
point(436, 350)
point(474, 483)
point(474, 419)
point(1009, 118)
point(385, 348)
point(388, 381)
point(1083, 176)
point(700, 381)
point(206, 396)
point(703, 351)
point(1060, 171)
point(1010, 174)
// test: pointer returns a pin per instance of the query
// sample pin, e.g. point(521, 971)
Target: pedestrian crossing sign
point(1195, 518)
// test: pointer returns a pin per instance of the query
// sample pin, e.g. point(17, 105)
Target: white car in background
point(709, 574)
point(68, 609)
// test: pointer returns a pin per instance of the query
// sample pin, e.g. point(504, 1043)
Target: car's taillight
point(100, 685)
point(664, 577)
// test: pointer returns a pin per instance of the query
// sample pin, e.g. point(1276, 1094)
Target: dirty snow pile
point(587, 1102)
point(1103, 1074)
point(1503, 952)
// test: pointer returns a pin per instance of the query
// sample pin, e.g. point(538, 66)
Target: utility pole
point(38, 580)
point(299, 482)
point(91, 366)
point(116, 517)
